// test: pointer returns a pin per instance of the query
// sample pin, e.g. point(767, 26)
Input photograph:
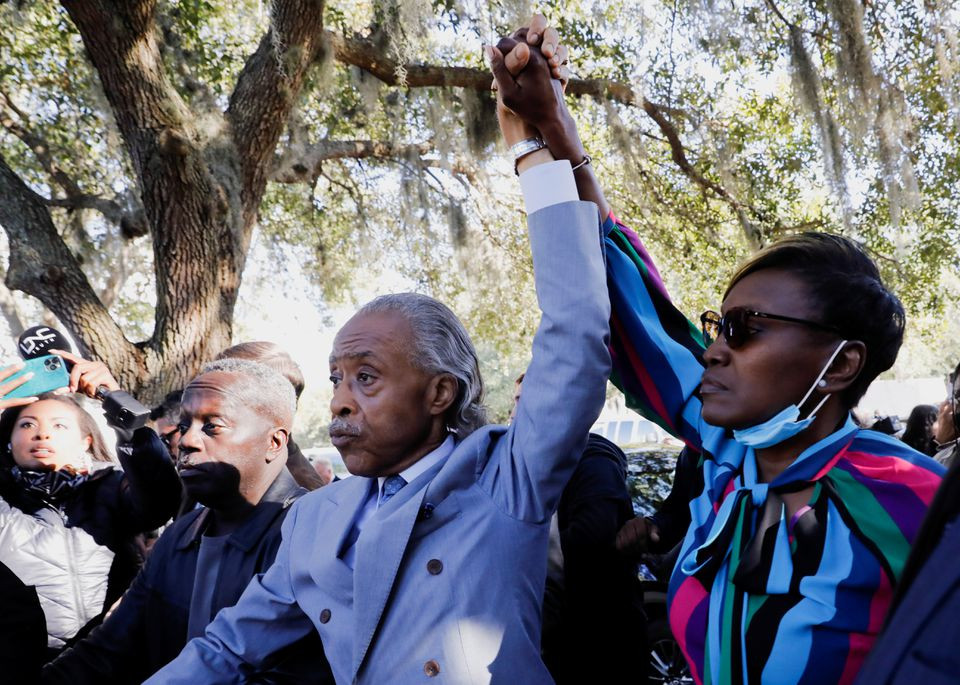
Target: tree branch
point(267, 89)
point(679, 156)
point(133, 222)
point(305, 167)
point(43, 266)
point(8, 307)
point(190, 186)
point(38, 146)
point(121, 40)
point(367, 55)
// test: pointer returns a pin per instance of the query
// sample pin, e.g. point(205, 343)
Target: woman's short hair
point(845, 287)
point(88, 427)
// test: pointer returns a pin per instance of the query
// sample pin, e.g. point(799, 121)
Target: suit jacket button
point(431, 668)
point(434, 567)
point(324, 616)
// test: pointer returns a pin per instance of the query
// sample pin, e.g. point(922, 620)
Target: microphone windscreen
point(37, 340)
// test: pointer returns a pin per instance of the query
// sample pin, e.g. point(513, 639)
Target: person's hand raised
point(524, 80)
point(86, 376)
point(513, 128)
point(10, 386)
point(531, 73)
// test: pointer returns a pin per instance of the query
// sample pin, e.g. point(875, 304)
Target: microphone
point(35, 341)
point(121, 409)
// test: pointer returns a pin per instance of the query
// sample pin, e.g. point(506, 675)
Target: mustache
point(183, 460)
point(342, 427)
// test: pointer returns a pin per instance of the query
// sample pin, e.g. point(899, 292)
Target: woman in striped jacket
point(801, 520)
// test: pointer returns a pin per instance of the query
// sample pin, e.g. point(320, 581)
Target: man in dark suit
point(233, 427)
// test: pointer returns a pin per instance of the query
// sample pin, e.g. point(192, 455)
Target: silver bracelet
point(525, 147)
point(586, 160)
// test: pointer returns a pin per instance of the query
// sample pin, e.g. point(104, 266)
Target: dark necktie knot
point(391, 486)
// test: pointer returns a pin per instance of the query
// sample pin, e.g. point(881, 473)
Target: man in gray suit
point(430, 562)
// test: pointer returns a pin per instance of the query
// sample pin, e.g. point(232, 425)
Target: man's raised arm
point(564, 388)
point(656, 352)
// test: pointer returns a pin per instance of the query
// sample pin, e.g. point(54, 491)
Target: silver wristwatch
point(525, 147)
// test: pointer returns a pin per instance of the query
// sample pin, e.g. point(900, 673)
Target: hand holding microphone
point(93, 379)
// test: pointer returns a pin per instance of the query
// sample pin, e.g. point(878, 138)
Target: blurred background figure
point(945, 428)
point(919, 431)
point(324, 469)
point(166, 421)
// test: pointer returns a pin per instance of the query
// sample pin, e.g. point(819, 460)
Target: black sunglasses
point(734, 325)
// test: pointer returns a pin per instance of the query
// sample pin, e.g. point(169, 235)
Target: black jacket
point(149, 627)
point(597, 631)
point(23, 631)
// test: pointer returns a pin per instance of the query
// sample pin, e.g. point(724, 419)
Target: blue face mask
point(786, 423)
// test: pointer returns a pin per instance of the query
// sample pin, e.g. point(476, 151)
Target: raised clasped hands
point(531, 73)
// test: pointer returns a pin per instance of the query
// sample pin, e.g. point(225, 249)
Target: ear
point(441, 393)
point(845, 368)
point(88, 441)
point(279, 437)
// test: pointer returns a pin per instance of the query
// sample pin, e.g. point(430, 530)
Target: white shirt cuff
point(548, 184)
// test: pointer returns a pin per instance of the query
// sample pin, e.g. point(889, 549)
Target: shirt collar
point(278, 497)
point(423, 464)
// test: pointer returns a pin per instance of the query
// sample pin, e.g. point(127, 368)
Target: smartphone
point(49, 373)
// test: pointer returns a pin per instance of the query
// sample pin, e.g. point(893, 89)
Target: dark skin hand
point(635, 537)
point(530, 77)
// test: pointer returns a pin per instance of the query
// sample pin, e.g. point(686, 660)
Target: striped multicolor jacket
point(755, 598)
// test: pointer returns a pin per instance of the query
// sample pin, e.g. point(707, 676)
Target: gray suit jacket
point(449, 574)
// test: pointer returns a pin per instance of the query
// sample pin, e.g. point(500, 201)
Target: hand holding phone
point(87, 377)
point(32, 378)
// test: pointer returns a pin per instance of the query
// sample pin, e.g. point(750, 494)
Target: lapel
point(379, 554)
point(926, 595)
point(333, 522)
point(343, 506)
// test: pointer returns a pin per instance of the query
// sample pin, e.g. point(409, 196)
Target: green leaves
point(777, 105)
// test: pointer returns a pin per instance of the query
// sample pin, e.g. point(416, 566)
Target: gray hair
point(441, 345)
point(259, 387)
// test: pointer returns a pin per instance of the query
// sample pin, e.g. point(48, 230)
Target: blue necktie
point(391, 486)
